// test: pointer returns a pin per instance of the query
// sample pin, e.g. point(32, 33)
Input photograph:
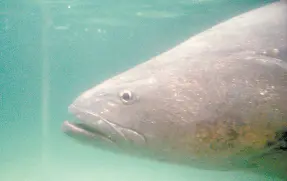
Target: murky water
point(50, 51)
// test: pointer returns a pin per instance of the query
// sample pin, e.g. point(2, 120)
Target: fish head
point(119, 111)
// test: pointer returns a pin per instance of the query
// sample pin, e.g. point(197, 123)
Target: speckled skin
point(216, 101)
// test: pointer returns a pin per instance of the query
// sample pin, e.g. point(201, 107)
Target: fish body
point(216, 101)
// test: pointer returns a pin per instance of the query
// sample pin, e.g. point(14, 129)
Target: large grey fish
point(217, 101)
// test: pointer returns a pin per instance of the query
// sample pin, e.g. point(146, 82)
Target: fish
point(217, 101)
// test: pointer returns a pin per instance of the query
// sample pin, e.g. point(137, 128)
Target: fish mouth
point(79, 130)
point(91, 126)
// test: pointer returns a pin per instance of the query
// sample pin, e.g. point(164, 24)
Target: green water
point(51, 51)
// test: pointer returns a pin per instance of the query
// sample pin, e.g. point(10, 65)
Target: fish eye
point(126, 95)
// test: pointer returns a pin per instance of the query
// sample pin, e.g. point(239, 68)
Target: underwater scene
point(52, 51)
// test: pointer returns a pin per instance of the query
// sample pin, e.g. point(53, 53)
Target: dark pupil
point(126, 96)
